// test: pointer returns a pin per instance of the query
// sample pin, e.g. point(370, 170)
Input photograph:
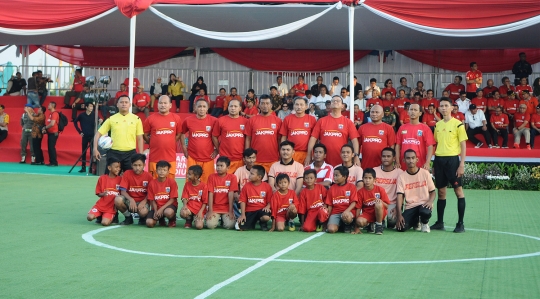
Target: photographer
point(42, 86)
point(16, 86)
point(85, 124)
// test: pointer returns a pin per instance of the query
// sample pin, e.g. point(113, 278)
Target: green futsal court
point(49, 250)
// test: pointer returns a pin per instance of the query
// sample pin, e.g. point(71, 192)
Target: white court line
point(234, 278)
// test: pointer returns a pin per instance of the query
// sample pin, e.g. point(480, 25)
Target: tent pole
point(351, 61)
point(132, 26)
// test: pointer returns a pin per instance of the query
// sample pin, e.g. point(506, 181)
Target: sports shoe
point(425, 228)
point(319, 228)
point(172, 223)
point(438, 226)
point(33, 159)
point(490, 146)
point(83, 169)
point(370, 228)
point(127, 221)
point(496, 146)
point(347, 228)
point(505, 146)
point(115, 219)
point(23, 160)
point(135, 215)
point(528, 146)
point(460, 228)
point(98, 220)
point(516, 145)
point(52, 165)
point(236, 226)
point(418, 226)
point(379, 229)
point(142, 221)
point(188, 224)
point(479, 145)
point(291, 226)
point(264, 226)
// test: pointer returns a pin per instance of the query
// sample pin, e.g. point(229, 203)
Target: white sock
point(378, 223)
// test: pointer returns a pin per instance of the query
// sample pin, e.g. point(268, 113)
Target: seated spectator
point(195, 89)
point(457, 114)
point(80, 102)
point(300, 87)
point(499, 124)
point(275, 99)
point(431, 117)
point(455, 89)
point(536, 87)
point(358, 116)
point(309, 96)
point(489, 89)
point(344, 111)
point(480, 101)
point(78, 85)
point(16, 85)
point(175, 90)
point(360, 101)
point(315, 111)
point(476, 123)
point(250, 110)
point(389, 117)
point(281, 87)
point(157, 89)
point(419, 88)
point(372, 87)
point(233, 95)
point(327, 108)
point(445, 94)
point(345, 97)
point(403, 86)
point(316, 88)
point(399, 102)
point(530, 102)
point(122, 92)
point(206, 98)
point(284, 111)
point(251, 96)
point(357, 88)
point(289, 97)
point(141, 102)
point(511, 106)
point(374, 100)
point(404, 117)
point(429, 100)
point(136, 83)
point(507, 86)
point(219, 102)
point(388, 101)
point(417, 99)
point(388, 86)
point(524, 85)
point(522, 126)
point(535, 125)
point(322, 98)
point(335, 87)
point(495, 102)
point(4, 122)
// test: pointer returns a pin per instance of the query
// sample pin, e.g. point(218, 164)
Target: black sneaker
point(127, 221)
point(115, 219)
point(98, 220)
point(142, 221)
point(438, 226)
point(460, 228)
point(83, 169)
point(264, 226)
point(347, 228)
point(379, 229)
point(52, 165)
point(369, 228)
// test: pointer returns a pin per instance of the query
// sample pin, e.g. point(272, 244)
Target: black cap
point(472, 107)
point(510, 93)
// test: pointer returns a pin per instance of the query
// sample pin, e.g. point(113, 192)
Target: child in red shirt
point(221, 188)
point(311, 203)
point(194, 198)
point(283, 204)
point(107, 188)
point(340, 201)
point(255, 201)
point(163, 196)
point(372, 206)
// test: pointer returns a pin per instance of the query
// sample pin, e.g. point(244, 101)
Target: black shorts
point(124, 157)
point(445, 170)
point(252, 218)
point(411, 216)
point(151, 213)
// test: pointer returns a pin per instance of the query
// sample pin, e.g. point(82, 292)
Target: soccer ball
point(105, 142)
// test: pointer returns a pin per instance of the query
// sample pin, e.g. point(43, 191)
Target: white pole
point(132, 26)
point(381, 62)
point(351, 61)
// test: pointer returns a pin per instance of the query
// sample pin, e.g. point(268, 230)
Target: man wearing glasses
point(316, 89)
point(475, 123)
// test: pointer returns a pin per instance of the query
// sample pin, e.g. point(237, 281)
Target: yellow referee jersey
point(124, 131)
point(449, 136)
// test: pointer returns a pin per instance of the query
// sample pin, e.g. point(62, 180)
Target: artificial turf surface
point(45, 256)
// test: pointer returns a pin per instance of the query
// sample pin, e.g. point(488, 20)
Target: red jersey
point(78, 83)
point(280, 203)
point(136, 83)
point(521, 88)
point(499, 120)
point(503, 90)
point(388, 103)
point(196, 196)
point(230, 132)
point(53, 116)
point(492, 103)
point(255, 197)
point(454, 90)
point(298, 130)
point(220, 101)
point(481, 103)
point(220, 187)
point(535, 120)
point(111, 188)
point(399, 104)
point(404, 117)
point(373, 101)
point(200, 145)
point(391, 90)
point(301, 87)
point(367, 198)
point(325, 173)
point(488, 91)
point(204, 97)
point(520, 118)
point(141, 99)
point(359, 116)
point(429, 119)
point(264, 132)
point(511, 106)
point(136, 186)
point(340, 198)
point(426, 102)
point(473, 75)
point(416, 137)
point(311, 199)
point(163, 130)
point(334, 133)
point(459, 116)
point(121, 93)
point(531, 105)
point(162, 192)
point(251, 111)
point(373, 139)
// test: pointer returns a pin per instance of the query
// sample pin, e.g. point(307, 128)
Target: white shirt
point(463, 106)
point(282, 89)
point(475, 120)
point(361, 104)
point(368, 92)
point(321, 101)
point(334, 89)
point(347, 100)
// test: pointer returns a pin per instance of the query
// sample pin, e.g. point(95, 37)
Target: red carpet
point(69, 143)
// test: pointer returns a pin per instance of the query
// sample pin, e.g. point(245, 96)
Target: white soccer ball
point(105, 142)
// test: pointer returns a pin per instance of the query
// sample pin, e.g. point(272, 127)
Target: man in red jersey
point(416, 136)
point(324, 172)
point(455, 88)
point(535, 125)
point(404, 117)
point(474, 80)
point(262, 134)
point(522, 87)
point(373, 137)
point(511, 106)
point(495, 102)
point(530, 101)
point(489, 89)
point(228, 135)
point(456, 114)
point(232, 96)
point(78, 85)
point(480, 101)
point(51, 129)
point(141, 102)
point(161, 131)
point(355, 171)
point(430, 117)
point(399, 103)
point(499, 125)
point(386, 177)
point(136, 83)
point(522, 126)
point(297, 128)
point(429, 100)
point(221, 188)
point(388, 102)
point(200, 150)
point(300, 87)
point(334, 131)
point(506, 87)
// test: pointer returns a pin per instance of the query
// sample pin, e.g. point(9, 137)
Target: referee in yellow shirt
point(449, 164)
point(126, 132)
